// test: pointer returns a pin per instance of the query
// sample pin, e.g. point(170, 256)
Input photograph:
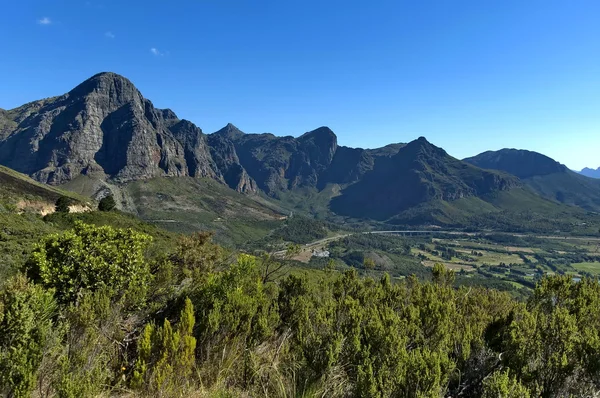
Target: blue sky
point(468, 75)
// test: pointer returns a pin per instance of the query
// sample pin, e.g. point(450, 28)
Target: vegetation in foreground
point(94, 312)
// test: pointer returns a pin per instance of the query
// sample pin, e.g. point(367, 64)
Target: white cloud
point(110, 35)
point(155, 52)
point(44, 21)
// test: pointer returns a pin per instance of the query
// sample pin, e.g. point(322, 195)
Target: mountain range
point(104, 137)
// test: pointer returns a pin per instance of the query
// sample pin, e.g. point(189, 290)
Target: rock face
point(105, 127)
point(225, 157)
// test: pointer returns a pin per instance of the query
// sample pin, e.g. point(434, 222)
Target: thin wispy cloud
point(44, 21)
point(155, 52)
point(110, 35)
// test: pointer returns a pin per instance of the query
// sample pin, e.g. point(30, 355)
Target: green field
point(592, 268)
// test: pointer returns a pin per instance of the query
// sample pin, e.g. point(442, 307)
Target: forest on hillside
point(95, 311)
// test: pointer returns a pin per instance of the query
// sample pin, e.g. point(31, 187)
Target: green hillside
point(516, 210)
point(18, 191)
point(187, 205)
point(544, 175)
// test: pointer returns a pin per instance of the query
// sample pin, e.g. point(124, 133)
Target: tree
point(107, 203)
point(62, 204)
point(271, 267)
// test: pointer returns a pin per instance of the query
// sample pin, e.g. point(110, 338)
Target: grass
point(591, 268)
point(18, 190)
point(186, 205)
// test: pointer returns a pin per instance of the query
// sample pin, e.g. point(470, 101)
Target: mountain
point(545, 176)
point(418, 173)
point(521, 163)
point(590, 172)
point(313, 160)
point(105, 128)
point(103, 137)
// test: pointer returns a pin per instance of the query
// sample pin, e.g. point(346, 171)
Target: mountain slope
point(104, 137)
point(419, 173)
point(17, 191)
point(544, 175)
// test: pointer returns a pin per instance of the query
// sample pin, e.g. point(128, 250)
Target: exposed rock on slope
point(106, 128)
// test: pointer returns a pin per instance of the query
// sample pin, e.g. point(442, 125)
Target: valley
point(509, 262)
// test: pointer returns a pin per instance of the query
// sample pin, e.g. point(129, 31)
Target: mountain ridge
point(104, 129)
point(545, 176)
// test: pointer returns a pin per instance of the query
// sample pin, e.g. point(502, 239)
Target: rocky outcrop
point(224, 155)
point(103, 127)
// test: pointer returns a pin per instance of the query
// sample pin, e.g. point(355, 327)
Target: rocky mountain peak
point(421, 148)
point(323, 133)
point(230, 132)
point(322, 141)
point(118, 88)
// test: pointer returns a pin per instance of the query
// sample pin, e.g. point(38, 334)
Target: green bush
point(62, 204)
point(207, 327)
point(91, 258)
point(107, 203)
point(26, 311)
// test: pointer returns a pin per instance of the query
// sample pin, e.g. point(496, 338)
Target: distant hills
point(545, 176)
point(590, 172)
point(105, 137)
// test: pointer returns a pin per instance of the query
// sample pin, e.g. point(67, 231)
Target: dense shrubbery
point(301, 230)
point(98, 317)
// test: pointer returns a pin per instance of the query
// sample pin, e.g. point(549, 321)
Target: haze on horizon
point(470, 76)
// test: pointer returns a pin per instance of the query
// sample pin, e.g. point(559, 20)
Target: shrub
point(62, 204)
point(25, 322)
point(107, 203)
point(90, 257)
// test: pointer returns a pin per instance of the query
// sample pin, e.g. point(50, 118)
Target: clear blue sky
point(468, 75)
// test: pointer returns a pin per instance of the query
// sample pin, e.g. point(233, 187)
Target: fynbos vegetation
point(93, 312)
